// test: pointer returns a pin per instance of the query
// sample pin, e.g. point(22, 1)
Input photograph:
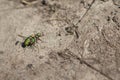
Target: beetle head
point(39, 35)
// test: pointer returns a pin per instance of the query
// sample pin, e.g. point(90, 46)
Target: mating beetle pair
point(30, 40)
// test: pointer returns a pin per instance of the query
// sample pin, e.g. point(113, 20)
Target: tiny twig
point(85, 13)
point(115, 3)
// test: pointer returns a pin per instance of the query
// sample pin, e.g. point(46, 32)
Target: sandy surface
point(81, 40)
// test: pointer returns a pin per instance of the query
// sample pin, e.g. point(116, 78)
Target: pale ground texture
point(81, 40)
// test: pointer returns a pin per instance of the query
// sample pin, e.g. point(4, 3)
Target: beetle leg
point(36, 47)
point(21, 36)
point(40, 40)
point(33, 47)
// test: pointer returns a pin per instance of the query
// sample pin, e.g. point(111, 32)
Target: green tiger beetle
point(30, 40)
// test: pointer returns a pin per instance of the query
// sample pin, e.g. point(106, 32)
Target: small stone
point(29, 65)
point(1, 52)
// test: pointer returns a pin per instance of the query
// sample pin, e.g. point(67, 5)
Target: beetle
point(30, 40)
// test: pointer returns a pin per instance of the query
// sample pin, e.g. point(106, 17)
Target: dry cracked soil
point(81, 39)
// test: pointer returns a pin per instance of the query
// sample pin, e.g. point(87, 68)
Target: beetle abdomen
point(23, 45)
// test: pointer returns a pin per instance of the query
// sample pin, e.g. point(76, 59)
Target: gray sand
point(81, 40)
